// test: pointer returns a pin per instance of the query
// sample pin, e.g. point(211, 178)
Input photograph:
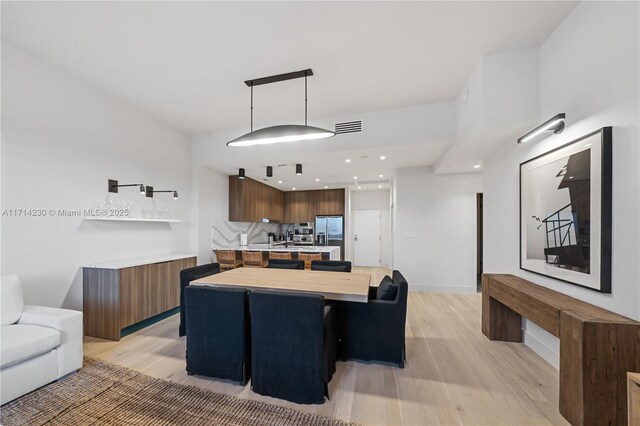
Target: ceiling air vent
point(349, 127)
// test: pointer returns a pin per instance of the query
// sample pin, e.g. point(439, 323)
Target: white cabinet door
point(366, 237)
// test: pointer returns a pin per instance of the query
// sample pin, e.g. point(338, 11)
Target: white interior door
point(366, 237)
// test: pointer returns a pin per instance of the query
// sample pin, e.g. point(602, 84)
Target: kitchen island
point(328, 252)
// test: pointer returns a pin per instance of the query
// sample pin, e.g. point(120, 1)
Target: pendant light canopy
point(286, 132)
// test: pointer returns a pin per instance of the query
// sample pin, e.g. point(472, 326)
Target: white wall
point(434, 241)
point(375, 200)
point(500, 100)
point(589, 69)
point(212, 206)
point(61, 140)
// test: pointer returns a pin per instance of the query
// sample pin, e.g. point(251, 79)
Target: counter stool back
point(253, 259)
point(308, 258)
point(227, 259)
point(280, 255)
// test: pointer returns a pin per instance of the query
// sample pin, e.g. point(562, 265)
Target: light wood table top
point(353, 287)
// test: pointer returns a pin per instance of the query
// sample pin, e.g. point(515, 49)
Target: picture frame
point(566, 212)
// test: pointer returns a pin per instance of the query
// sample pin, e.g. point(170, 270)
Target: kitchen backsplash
point(226, 234)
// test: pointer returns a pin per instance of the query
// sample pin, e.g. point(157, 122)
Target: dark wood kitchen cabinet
point(300, 206)
point(252, 201)
point(330, 202)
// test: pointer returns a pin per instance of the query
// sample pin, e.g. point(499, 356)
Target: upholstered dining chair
point(218, 332)
point(290, 356)
point(286, 264)
point(331, 265)
point(186, 276)
point(227, 259)
point(308, 257)
point(375, 331)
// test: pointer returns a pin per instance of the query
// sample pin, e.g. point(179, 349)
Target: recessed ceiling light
point(293, 188)
point(379, 186)
point(355, 177)
point(317, 180)
point(382, 157)
point(380, 175)
point(348, 160)
point(477, 166)
point(359, 187)
point(325, 187)
point(279, 181)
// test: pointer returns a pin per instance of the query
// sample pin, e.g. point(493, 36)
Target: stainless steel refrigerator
point(330, 232)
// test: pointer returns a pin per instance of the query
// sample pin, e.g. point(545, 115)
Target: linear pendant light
point(284, 132)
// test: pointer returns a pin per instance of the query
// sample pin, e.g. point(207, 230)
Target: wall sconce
point(113, 186)
point(151, 191)
point(555, 123)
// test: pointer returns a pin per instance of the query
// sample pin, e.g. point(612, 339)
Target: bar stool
point(284, 255)
point(308, 257)
point(253, 259)
point(227, 259)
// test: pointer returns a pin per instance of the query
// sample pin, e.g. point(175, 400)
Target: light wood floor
point(454, 374)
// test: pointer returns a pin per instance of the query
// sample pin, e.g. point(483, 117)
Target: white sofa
point(38, 345)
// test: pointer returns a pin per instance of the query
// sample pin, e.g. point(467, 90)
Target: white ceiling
point(412, 136)
point(185, 62)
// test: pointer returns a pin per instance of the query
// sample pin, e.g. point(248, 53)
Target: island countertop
point(333, 251)
point(278, 247)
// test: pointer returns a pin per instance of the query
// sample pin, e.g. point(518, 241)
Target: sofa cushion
point(387, 290)
point(11, 296)
point(21, 342)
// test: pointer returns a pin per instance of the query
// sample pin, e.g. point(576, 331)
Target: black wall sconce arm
point(113, 186)
point(150, 191)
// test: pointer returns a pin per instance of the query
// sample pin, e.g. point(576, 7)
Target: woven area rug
point(106, 394)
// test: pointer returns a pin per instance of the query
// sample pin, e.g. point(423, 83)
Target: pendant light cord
point(252, 107)
point(305, 98)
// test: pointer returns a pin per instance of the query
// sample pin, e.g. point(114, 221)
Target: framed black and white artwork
point(565, 212)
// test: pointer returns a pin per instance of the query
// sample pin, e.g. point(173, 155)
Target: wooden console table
point(597, 347)
point(125, 292)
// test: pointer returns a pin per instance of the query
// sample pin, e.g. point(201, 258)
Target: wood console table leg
point(499, 322)
point(594, 360)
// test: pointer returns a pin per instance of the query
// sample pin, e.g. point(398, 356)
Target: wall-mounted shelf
point(132, 219)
